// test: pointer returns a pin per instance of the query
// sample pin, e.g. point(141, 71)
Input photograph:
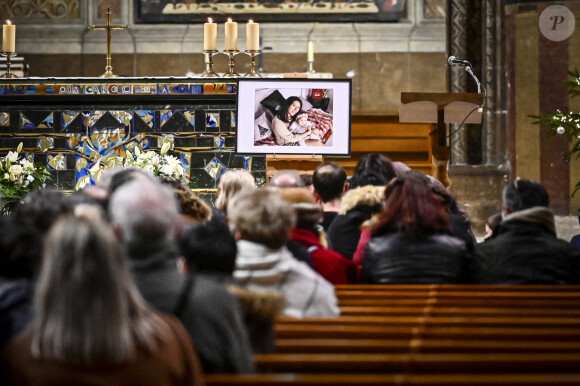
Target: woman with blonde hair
point(90, 324)
point(231, 183)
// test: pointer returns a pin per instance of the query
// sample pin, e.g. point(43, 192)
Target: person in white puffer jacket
point(262, 222)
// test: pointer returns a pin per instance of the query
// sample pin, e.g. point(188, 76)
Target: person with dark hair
point(372, 169)
point(209, 248)
point(524, 248)
point(361, 201)
point(20, 255)
point(90, 325)
point(43, 207)
point(329, 181)
point(412, 242)
point(282, 121)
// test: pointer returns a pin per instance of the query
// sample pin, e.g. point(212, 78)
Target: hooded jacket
point(524, 249)
point(306, 293)
point(356, 207)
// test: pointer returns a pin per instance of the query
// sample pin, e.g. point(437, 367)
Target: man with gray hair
point(287, 178)
point(524, 248)
point(144, 216)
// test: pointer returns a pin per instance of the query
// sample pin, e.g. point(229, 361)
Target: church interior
point(401, 47)
point(226, 270)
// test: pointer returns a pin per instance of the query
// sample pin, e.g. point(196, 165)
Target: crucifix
point(108, 27)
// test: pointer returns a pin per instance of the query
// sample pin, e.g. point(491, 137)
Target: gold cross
point(108, 27)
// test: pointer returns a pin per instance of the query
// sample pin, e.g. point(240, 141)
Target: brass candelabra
point(231, 73)
point(8, 73)
point(253, 65)
point(209, 73)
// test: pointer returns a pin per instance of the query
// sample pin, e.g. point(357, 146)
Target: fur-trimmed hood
point(364, 195)
point(267, 305)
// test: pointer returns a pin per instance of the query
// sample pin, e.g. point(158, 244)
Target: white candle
point(231, 32)
point(310, 52)
point(252, 36)
point(8, 37)
point(209, 36)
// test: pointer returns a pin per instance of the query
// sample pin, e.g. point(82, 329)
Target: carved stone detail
point(40, 9)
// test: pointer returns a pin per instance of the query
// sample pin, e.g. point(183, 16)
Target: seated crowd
point(138, 281)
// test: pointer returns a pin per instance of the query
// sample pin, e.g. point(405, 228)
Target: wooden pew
point(381, 132)
point(420, 363)
point(514, 312)
point(438, 321)
point(393, 346)
point(458, 287)
point(429, 335)
point(295, 331)
point(392, 379)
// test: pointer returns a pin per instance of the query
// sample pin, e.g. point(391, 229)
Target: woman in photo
point(282, 121)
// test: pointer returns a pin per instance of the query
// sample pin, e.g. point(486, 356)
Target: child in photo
point(302, 125)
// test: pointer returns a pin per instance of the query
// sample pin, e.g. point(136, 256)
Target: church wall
point(536, 85)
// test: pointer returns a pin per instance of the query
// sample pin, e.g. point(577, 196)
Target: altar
point(80, 127)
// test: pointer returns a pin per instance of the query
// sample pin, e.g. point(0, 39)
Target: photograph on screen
point(282, 116)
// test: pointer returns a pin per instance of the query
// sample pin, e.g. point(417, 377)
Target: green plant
point(566, 123)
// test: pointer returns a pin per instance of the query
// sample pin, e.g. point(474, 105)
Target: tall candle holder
point(231, 73)
point(253, 65)
point(310, 68)
point(8, 73)
point(209, 73)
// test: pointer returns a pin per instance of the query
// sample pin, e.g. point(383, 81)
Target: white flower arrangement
point(162, 165)
point(18, 176)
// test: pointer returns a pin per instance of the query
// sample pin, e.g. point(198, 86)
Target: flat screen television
point(294, 116)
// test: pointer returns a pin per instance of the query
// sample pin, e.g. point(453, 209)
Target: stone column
point(494, 118)
point(457, 21)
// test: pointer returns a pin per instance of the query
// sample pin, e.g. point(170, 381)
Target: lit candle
point(210, 36)
point(231, 29)
point(252, 36)
point(310, 52)
point(8, 37)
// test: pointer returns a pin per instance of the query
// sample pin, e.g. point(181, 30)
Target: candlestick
point(232, 63)
point(252, 36)
point(8, 37)
point(8, 73)
point(209, 35)
point(231, 33)
point(253, 66)
point(310, 51)
point(209, 73)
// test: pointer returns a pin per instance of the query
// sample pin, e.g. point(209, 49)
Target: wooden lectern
point(440, 108)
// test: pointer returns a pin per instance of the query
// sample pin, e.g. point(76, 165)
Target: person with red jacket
point(329, 264)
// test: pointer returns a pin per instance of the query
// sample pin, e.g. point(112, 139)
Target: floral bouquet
point(162, 165)
point(18, 176)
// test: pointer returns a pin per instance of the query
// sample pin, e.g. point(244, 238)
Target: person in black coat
point(524, 248)
point(372, 173)
point(411, 240)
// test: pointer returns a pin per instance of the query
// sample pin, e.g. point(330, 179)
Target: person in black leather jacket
point(524, 248)
point(411, 240)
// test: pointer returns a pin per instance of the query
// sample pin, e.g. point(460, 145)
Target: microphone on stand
point(453, 60)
